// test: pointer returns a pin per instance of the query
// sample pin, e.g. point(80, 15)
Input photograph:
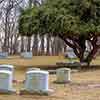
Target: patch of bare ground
point(84, 85)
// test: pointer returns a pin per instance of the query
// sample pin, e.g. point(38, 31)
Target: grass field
point(21, 63)
point(84, 85)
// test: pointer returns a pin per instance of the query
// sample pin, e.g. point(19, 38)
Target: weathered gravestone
point(7, 67)
point(3, 55)
point(71, 55)
point(27, 55)
point(63, 75)
point(37, 81)
point(6, 85)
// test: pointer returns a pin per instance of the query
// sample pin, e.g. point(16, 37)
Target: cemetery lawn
point(85, 85)
point(21, 63)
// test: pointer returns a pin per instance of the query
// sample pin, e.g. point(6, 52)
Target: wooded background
point(13, 43)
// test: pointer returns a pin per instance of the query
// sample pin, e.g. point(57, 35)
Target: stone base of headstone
point(2, 91)
point(26, 92)
point(66, 82)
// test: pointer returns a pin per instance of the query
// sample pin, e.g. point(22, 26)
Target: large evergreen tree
point(74, 21)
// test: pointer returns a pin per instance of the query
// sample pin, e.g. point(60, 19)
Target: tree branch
point(72, 45)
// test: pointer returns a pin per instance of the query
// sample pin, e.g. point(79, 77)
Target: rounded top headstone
point(5, 71)
point(6, 67)
point(61, 69)
point(37, 71)
point(63, 75)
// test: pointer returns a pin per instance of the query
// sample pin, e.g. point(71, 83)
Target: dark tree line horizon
point(13, 43)
point(74, 21)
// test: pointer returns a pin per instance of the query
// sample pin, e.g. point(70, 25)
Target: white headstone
point(63, 75)
point(27, 55)
point(5, 80)
point(10, 68)
point(3, 55)
point(36, 80)
point(88, 46)
point(70, 53)
point(7, 67)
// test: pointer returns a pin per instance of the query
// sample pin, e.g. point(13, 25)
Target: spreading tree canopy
point(74, 21)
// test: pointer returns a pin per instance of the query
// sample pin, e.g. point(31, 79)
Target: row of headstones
point(27, 55)
point(70, 54)
point(37, 81)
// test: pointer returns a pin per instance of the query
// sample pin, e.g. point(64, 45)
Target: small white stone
point(3, 55)
point(27, 55)
point(63, 75)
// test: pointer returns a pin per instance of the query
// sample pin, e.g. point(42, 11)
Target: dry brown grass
point(78, 89)
point(21, 63)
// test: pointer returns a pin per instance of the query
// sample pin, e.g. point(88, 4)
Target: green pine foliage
point(79, 19)
point(61, 16)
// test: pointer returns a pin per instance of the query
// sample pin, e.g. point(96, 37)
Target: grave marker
point(6, 82)
point(27, 55)
point(71, 55)
point(63, 75)
point(7, 67)
point(3, 55)
point(37, 81)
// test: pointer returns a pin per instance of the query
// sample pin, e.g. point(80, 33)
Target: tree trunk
point(79, 46)
point(22, 44)
point(35, 45)
point(28, 44)
point(15, 45)
point(57, 46)
point(48, 37)
point(42, 47)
